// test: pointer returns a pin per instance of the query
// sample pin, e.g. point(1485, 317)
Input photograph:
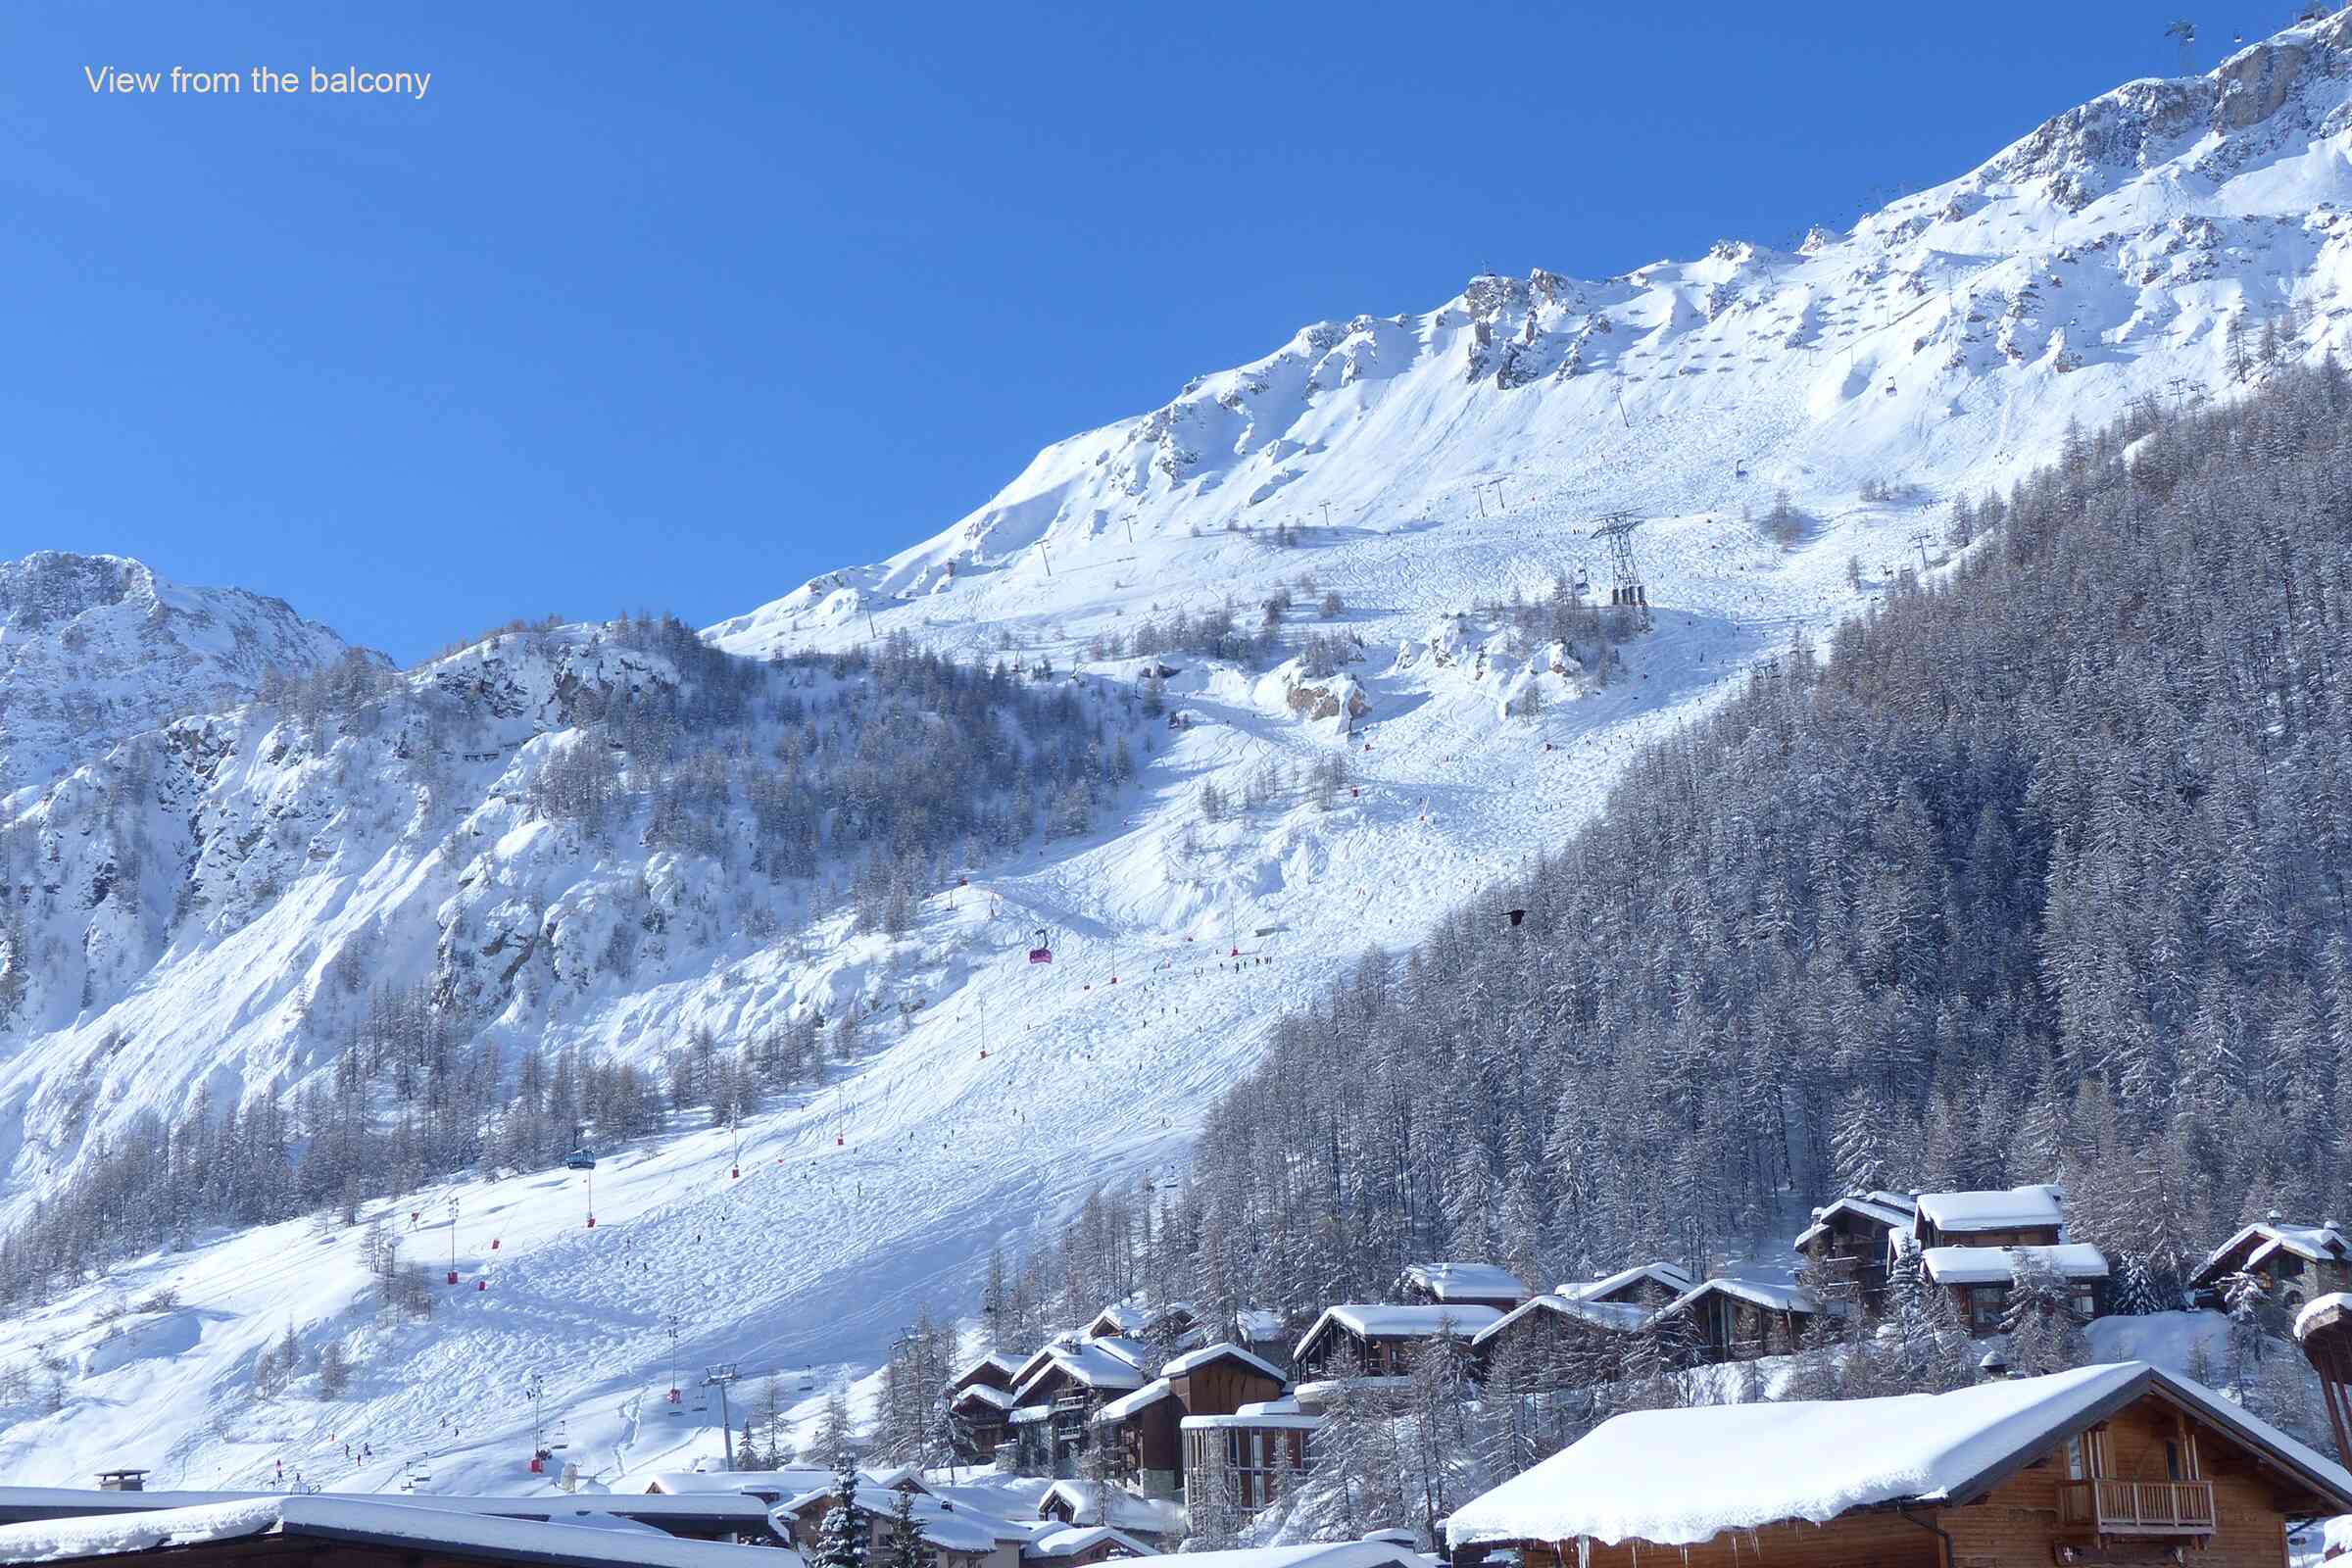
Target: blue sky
point(673, 307)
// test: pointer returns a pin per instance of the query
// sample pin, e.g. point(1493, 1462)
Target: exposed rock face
point(1329, 701)
point(97, 648)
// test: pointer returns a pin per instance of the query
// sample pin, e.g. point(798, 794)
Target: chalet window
point(2171, 1459)
point(2074, 1459)
point(1986, 1307)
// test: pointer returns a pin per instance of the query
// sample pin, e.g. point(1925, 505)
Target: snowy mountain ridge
point(1388, 483)
point(2097, 258)
point(94, 649)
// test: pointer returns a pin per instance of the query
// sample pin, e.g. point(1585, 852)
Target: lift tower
point(1626, 588)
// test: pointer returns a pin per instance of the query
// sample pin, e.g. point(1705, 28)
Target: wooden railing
point(2138, 1507)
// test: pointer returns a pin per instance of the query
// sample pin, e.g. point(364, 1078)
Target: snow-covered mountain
point(1946, 338)
point(210, 908)
point(97, 648)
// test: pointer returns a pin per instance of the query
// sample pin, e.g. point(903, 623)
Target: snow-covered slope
point(1425, 469)
point(97, 648)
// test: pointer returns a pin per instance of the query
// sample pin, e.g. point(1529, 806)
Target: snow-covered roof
point(1036, 1358)
point(993, 1361)
point(732, 1483)
point(730, 1502)
point(1258, 1325)
point(945, 1526)
point(1674, 1279)
point(1997, 1265)
point(986, 1393)
point(1466, 1282)
point(1091, 1502)
point(1268, 1421)
point(1029, 1415)
point(1631, 1478)
point(1879, 1208)
point(1137, 1353)
point(2335, 1305)
point(1119, 1409)
point(1327, 1554)
point(1193, 1360)
point(1389, 1322)
point(1088, 1364)
point(368, 1520)
point(2318, 1243)
point(1619, 1318)
point(1068, 1541)
point(2006, 1208)
point(1779, 1296)
point(1121, 1317)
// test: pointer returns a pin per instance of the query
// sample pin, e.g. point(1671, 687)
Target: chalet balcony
point(2108, 1508)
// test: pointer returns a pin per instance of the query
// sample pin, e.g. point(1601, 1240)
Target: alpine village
point(1697, 917)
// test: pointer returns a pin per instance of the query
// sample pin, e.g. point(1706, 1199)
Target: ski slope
point(1431, 463)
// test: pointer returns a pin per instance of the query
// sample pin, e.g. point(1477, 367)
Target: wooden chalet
point(2295, 1263)
point(1054, 1405)
point(1737, 1319)
point(1651, 1285)
point(1979, 1279)
point(1563, 1340)
point(1846, 1246)
point(1143, 1428)
point(1247, 1460)
point(1080, 1547)
point(1461, 1285)
point(982, 1416)
point(958, 1538)
point(1381, 1339)
point(2009, 1216)
point(2113, 1466)
point(304, 1529)
point(1156, 1522)
point(995, 1370)
point(1170, 1323)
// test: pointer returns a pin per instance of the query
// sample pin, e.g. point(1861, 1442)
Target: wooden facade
point(1149, 1447)
point(1722, 1321)
point(2029, 1217)
point(1382, 1341)
point(1846, 1248)
point(1217, 1383)
point(1252, 1463)
point(2136, 1490)
point(2296, 1265)
point(1566, 1344)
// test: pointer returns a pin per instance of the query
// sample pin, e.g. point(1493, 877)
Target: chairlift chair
point(563, 1439)
point(581, 1158)
point(1041, 953)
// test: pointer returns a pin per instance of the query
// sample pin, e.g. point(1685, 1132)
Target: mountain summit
point(97, 648)
point(2159, 241)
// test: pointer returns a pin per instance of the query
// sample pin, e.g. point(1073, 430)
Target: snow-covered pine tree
point(2043, 1334)
point(835, 1438)
point(2134, 1294)
point(1215, 1515)
point(1858, 1154)
point(1436, 1432)
point(2244, 1296)
point(908, 1546)
point(843, 1535)
point(1353, 1460)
